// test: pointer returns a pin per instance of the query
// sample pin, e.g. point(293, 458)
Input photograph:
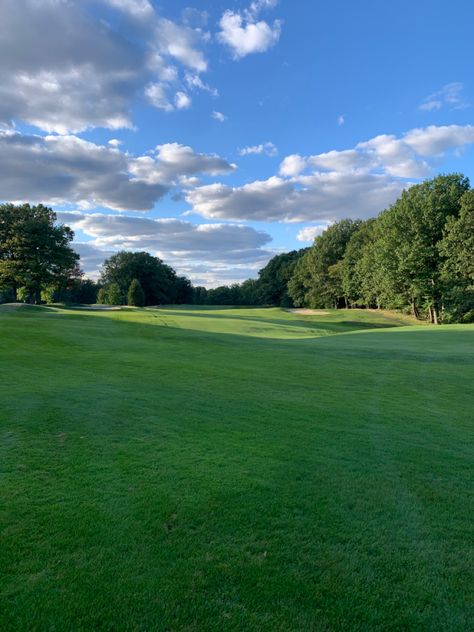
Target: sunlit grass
point(197, 469)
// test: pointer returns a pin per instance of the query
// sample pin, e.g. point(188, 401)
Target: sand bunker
point(309, 312)
point(101, 308)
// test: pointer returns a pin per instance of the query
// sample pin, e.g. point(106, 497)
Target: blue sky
point(216, 134)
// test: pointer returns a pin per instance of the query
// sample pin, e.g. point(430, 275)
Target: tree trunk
point(414, 309)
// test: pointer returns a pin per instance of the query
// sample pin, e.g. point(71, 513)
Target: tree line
point(38, 264)
point(417, 256)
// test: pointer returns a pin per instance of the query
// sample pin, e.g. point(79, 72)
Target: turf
point(207, 470)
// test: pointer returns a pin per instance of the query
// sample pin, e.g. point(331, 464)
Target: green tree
point(457, 271)
point(135, 295)
point(156, 278)
point(407, 248)
point(34, 251)
point(357, 270)
point(200, 295)
point(114, 294)
point(318, 281)
point(102, 296)
point(274, 277)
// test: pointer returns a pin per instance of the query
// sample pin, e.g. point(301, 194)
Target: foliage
point(102, 296)
point(407, 248)
point(114, 294)
point(34, 251)
point(77, 291)
point(320, 272)
point(135, 295)
point(159, 282)
point(272, 286)
point(457, 272)
point(415, 255)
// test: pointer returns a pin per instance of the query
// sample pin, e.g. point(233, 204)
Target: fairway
point(193, 469)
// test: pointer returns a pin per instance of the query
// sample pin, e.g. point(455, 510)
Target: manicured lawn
point(212, 470)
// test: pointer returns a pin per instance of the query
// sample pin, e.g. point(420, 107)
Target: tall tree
point(155, 277)
point(410, 231)
point(320, 272)
point(357, 269)
point(34, 250)
point(135, 295)
point(274, 277)
point(457, 271)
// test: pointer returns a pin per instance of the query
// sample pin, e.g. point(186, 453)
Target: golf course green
point(209, 469)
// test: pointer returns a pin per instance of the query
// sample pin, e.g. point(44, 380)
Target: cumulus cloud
point(308, 233)
point(182, 100)
point(267, 148)
point(181, 243)
point(67, 169)
point(450, 96)
point(78, 71)
point(324, 197)
point(244, 33)
point(157, 95)
point(181, 43)
point(292, 165)
point(357, 182)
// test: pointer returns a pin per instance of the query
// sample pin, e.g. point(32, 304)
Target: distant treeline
point(417, 256)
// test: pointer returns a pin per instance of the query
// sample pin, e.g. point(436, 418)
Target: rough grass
point(209, 470)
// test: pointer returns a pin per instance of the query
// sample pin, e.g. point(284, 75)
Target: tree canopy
point(159, 282)
point(417, 255)
point(35, 251)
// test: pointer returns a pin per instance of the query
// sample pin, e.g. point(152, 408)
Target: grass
point(207, 470)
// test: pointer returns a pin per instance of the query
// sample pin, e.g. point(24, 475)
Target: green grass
point(213, 470)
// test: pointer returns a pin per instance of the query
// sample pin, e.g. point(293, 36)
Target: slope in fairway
point(193, 469)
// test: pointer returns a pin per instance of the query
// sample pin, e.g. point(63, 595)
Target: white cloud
point(341, 119)
point(450, 96)
point(244, 34)
point(114, 142)
point(435, 140)
point(324, 197)
point(358, 182)
point(181, 43)
point(182, 101)
point(140, 9)
point(217, 250)
point(267, 148)
point(157, 95)
point(79, 71)
point(67, 169)
point(309, 233)
point(218, 116)
point(292, 165)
